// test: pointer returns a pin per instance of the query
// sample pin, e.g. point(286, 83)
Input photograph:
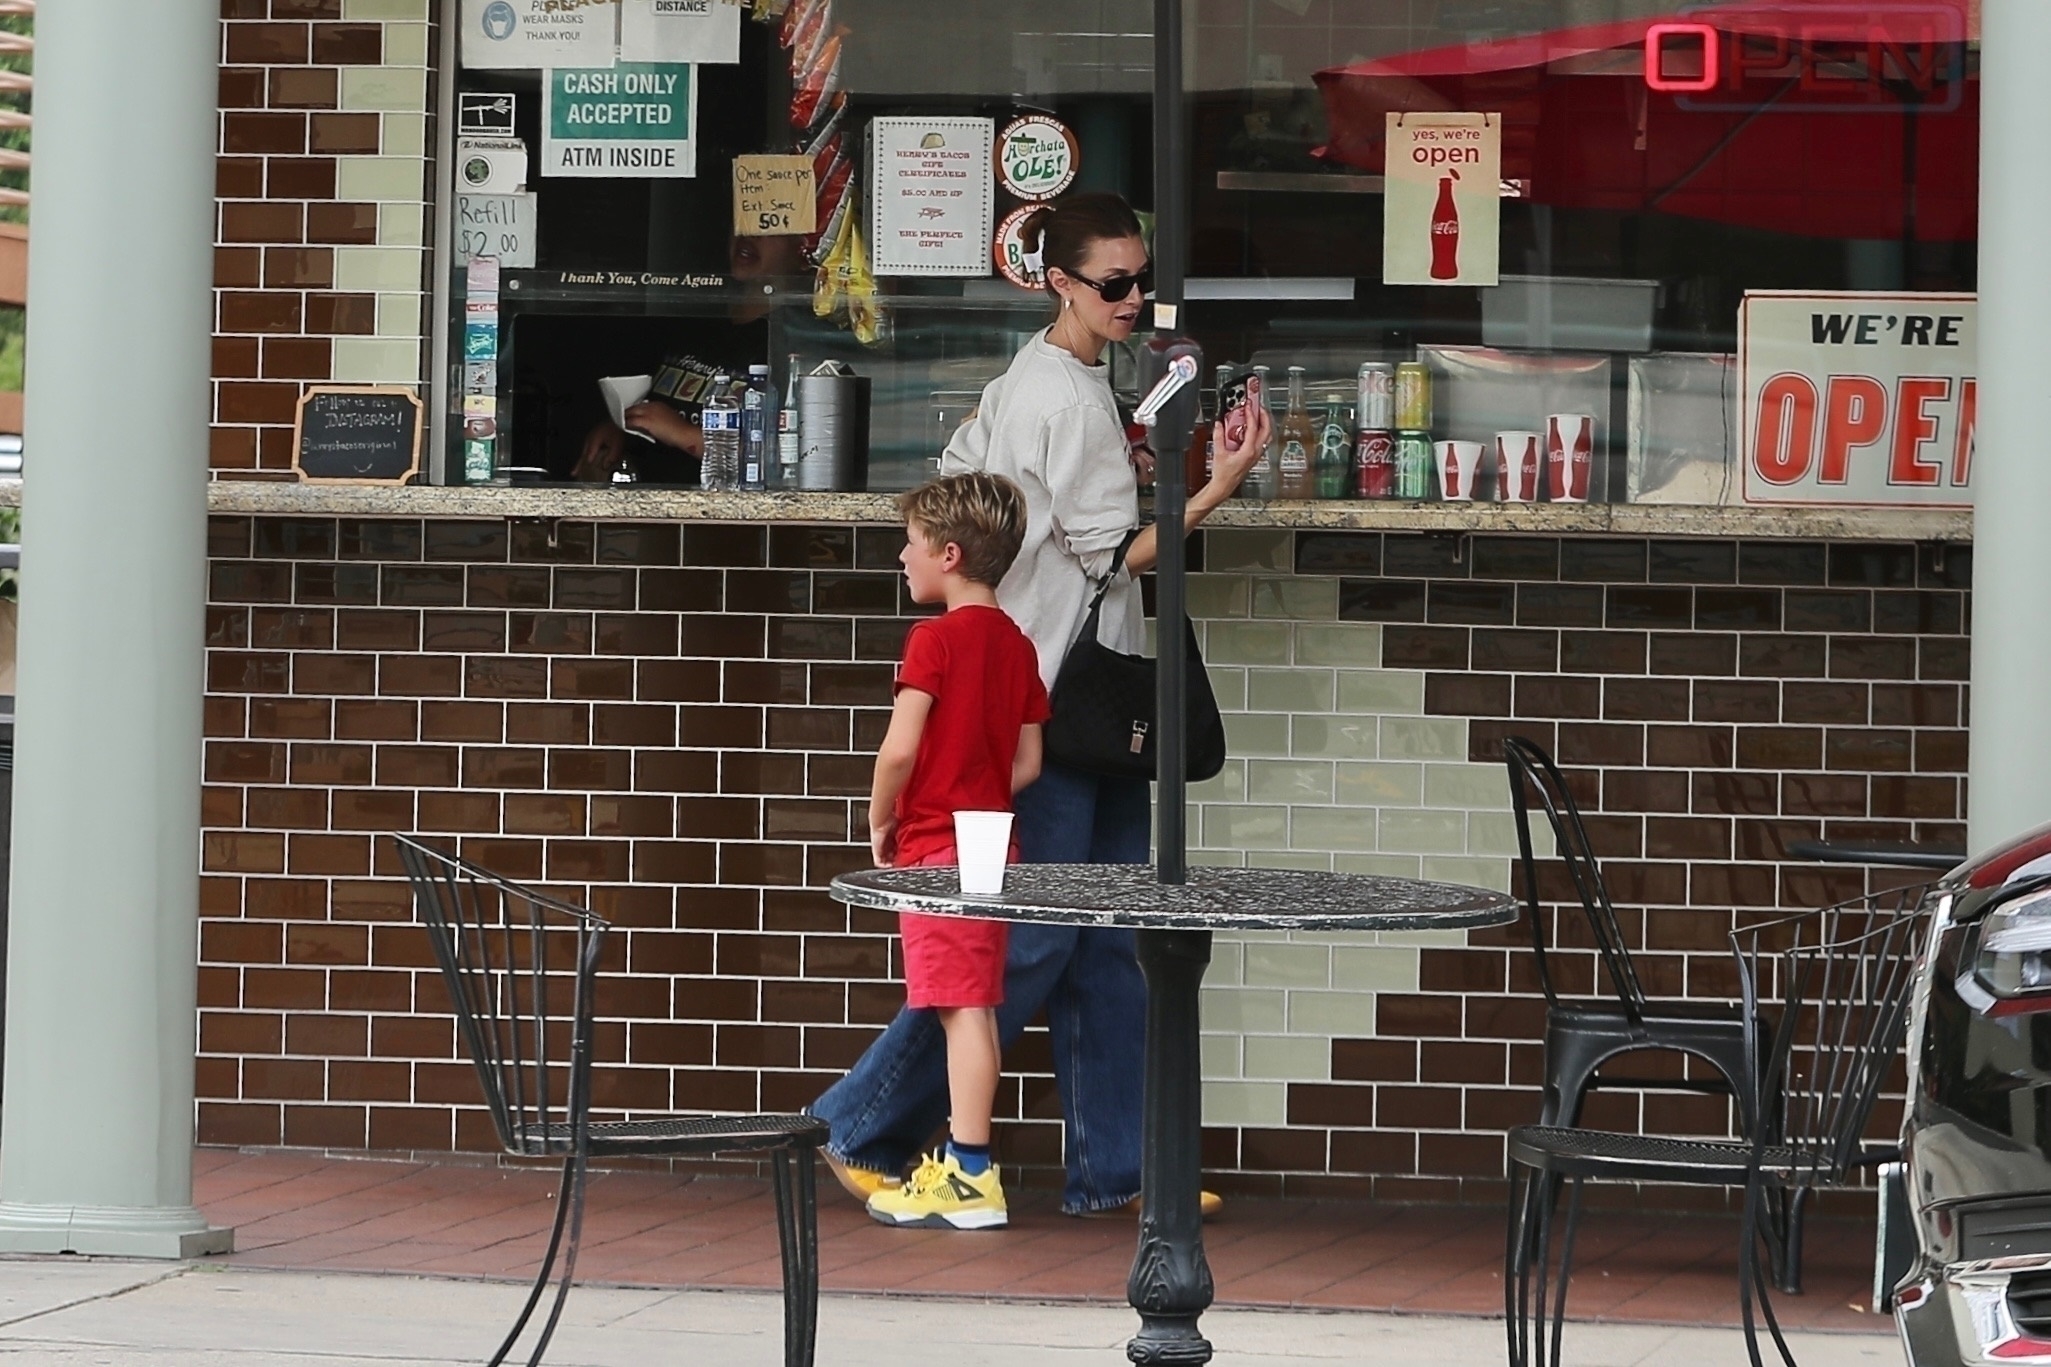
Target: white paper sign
point(1442, 199)
point(524, 34)
point(496, 225)
point(637, 121)
point(1857, 398)
point(491, 166)
point(707, 32)
point(930, 211)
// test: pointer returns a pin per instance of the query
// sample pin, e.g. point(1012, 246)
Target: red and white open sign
point(1856, 398)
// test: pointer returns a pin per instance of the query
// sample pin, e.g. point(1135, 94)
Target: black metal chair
point(1583, 1035)
point(1843, 977)
point(522, 971)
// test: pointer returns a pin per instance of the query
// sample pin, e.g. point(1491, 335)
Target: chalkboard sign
point(357, 434)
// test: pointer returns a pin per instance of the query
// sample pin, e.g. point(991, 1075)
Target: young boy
point(964, 736)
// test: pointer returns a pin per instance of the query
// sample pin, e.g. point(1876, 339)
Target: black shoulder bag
point(1102, 706)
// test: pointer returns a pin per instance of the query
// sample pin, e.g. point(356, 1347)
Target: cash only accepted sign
point(1857, 398)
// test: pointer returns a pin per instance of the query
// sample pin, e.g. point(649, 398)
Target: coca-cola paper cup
point(1520, 466)
point(1569, 456)
point(1458, 461)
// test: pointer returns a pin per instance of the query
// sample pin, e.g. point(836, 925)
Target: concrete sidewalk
point(80, 1313)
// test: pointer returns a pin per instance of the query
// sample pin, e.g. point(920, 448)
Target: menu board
point(932, 199)
point(357, 434)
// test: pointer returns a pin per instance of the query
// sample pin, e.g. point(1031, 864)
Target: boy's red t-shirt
point(984, 677)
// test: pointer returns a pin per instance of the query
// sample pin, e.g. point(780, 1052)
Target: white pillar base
point(111, 1231)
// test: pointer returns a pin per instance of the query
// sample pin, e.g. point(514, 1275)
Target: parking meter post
point(1169, 357)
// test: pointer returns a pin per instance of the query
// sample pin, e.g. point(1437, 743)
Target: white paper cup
point(982, 841)
point(1520, 466)
point(1458, 461)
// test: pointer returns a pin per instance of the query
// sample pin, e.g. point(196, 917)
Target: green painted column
point(2010, 758)
point(96, 1126)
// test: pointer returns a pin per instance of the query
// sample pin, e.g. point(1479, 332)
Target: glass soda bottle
point(1260, 480)
point(1299, 441)
point(755, 429)
point(787, 431)
point(719, 467)
point(1334, 468)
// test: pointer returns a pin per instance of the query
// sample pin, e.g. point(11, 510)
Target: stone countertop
point(1212, 899)
point(605, 503)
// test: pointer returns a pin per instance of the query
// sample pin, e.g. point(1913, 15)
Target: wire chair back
point(1534, 775)
point(521, 970)
point(1843, 976)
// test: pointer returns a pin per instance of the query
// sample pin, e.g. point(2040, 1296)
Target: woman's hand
point(1235, 459)
point(666, 425)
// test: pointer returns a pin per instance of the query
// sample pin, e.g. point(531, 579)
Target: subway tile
point(1414, 647)
point(1464, 695)
point(1650, 607)
point(1875, 565)
point(1300, 1058)
point(1382, 865)
point(1247, 643)
point(1336, 553)
point(1246, 827)
point(1289, 690)
point(1339, 643)
point(1266, 964)
point(1245, 1103)
point(1471, 603)
point(1218, 1057)
point(1219, 595)
point(1515, 557)
point(1244, 1011)
point(1603, 561)
point(1335, 737)
point(1228, 688)
point(1693, 652)
point(1382, 600)
point(1603, 652)
point(1782, 562)
point(1429, 555)
point(1287, 781)
point(1299, 599)
point(1423, 831)
point(1332, 1013)
point(1334, 828)
point(1238, 548)
point(1520, 650)
point(1691, 562)
point(1228, 785)
point(1470, 787)
point(1423, 738)
point(1387, 691)
point(1738, 609)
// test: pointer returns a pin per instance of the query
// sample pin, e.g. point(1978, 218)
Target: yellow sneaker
point(939, 1195)
point(860, 1183)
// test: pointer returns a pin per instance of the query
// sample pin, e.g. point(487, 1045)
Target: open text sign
point(1856, 398)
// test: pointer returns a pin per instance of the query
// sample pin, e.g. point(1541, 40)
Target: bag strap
point(1117, 563)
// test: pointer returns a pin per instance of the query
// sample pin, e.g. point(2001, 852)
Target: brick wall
point(321, 264)
point(675, 724)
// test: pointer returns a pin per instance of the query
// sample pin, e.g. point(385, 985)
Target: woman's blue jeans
point(1087, 977)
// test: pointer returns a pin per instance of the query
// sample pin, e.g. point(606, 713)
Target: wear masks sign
point(639, 119)
point(703, 31)
point(1442, 199)
point(1864, 399)
point(525, 34)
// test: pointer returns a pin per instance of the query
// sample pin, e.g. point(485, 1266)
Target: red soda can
point(1374, 464)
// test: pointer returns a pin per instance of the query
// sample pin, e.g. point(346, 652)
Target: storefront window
point(1727, 251)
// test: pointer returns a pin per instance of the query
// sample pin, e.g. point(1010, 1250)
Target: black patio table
point(1170, 1284)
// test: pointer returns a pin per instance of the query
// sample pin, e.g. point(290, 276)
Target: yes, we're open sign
point(1857, 398)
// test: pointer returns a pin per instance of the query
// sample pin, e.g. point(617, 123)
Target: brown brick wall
point(676, 724)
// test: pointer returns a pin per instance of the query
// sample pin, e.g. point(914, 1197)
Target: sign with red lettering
point(1857, 399)
point(1813, 56)
point(1442, 199)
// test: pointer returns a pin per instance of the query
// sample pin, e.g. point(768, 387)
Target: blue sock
point(974, 1158)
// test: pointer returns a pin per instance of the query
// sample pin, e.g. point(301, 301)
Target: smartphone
point(1241, 392)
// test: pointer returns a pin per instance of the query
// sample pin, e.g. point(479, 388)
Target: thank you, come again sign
point(1857, 398)
point(635, 120)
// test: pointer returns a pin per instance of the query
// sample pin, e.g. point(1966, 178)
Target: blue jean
point(1087, 977)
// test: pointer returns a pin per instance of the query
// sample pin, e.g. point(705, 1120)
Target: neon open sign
point(1833, 57)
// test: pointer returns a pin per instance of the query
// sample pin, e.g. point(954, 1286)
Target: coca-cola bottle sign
point(1442, 199)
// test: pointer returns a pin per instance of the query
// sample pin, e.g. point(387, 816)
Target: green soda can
point(1413, 465)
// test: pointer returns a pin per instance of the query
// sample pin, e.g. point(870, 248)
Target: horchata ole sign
point(636, 119)
point(1857, 398)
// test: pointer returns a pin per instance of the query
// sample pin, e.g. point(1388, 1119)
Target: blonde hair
point(984, 514)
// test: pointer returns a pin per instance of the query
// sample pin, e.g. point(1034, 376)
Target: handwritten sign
point(496, 225)
point(773, 196)
point(357, 434)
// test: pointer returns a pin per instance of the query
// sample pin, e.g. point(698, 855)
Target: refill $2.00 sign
point(1442, 199)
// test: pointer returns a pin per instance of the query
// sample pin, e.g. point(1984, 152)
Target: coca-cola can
point(1376, 410)
point(1458, 461)
point(1569, 456)
point(1413, 397)
point(1374, 464)
point(1413, 465)
point(1519, 466)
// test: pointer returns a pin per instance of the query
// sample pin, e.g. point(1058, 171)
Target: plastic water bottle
point(720, 466)
point(755, 429)
point(787, 431)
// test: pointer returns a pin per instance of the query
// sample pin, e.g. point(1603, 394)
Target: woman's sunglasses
point(1118, 288)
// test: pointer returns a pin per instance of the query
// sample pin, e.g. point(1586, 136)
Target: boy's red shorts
point(952, 961)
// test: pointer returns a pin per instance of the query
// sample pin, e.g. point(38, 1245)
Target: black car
point(1973, 1284)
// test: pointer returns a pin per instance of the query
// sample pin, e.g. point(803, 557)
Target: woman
point(1050, 425)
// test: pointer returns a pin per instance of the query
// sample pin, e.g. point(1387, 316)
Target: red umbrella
point(1818, 119)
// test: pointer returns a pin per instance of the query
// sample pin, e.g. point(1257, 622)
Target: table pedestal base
point(1170, 1284)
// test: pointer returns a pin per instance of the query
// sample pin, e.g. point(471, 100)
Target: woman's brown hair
point(1063, 232)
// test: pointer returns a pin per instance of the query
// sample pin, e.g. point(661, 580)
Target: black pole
point(1171, 269)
